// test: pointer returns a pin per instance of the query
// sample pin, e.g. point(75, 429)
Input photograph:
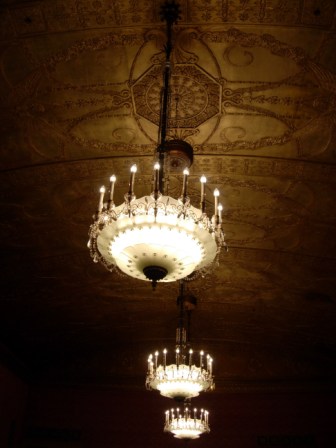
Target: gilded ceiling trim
point(50, 16)
point(227, 165)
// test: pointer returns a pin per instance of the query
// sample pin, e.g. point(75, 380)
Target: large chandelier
point(157, 237)
point(188, 424)
point(189, 374)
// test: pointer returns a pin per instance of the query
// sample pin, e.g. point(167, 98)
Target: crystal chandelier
point(188, 424)
point(189, 375)
point(157, 237)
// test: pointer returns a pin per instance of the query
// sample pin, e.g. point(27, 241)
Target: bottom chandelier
point(188, 424)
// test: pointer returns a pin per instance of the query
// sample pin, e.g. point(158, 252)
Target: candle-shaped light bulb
point(201, 358)
point(177, 356)
point(184, 335)
point(164, 358)
point(156, 176)
point(220, 209)
point(156, 358)
point(185, 182)
point(190, 357)
point(149, 361)
point(203, 182)
point(112, 182)
point(210, 366)
point(216, 194)
point(131, 184)
point(101, 199)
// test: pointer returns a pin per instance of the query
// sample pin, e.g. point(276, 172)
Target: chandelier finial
point(170, 12)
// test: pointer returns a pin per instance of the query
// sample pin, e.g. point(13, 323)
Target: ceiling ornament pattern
point(61, 16)
point(195, 93)
point(244, 166)
point(207, 101)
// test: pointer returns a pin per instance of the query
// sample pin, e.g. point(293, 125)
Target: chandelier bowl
point(172, 238)
point(180, 381)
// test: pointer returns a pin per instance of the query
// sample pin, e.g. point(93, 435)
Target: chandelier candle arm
point(112, 182)
point(131, 182)
point(185, 185)
point(203, 181)
point(220, 209)
point(101, 199)
point(156, 180)
point(216, 194)
point(150, 365)
point(164, 358)
point(184, 336)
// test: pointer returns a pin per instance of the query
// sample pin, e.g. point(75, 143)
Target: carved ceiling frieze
point(223, 112)
point(194, 96)
point(226, 165)
point(36, 17)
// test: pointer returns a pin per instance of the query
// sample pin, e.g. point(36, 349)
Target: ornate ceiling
point(254, 92)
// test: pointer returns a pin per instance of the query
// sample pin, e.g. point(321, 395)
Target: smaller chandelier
point(187, 424)
point(185, 378)
point(181, 380)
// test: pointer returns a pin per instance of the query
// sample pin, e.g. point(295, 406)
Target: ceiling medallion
point(194, 93)
point(157, 237)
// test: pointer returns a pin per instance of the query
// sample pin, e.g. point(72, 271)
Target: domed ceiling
point(254, 93)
